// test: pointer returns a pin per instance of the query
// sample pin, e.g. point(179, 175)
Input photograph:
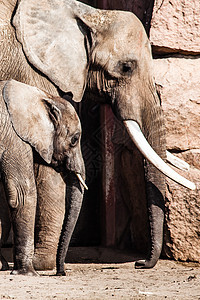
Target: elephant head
point(49, 124)
point(52, 127)
point(112, 54)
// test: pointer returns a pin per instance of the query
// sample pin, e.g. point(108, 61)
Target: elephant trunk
point(154, 130)
point(74, 198)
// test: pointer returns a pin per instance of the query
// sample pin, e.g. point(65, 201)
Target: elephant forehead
point(125, 38)
point(69, 114)
point(129, 39)
point(71, 121)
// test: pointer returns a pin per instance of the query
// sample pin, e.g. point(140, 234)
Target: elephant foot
point(44, 262)
point(145, 264)
point(25, 271)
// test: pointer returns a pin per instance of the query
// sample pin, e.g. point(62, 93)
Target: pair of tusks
point(148, 152)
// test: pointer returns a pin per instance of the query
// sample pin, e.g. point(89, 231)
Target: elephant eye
point(75, 139)
point(126, 68)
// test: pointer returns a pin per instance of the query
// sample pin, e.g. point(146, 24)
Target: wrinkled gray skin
point(112, 54)
point(32, 119)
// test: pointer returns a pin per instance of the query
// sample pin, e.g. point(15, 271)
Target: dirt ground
point(100, 273)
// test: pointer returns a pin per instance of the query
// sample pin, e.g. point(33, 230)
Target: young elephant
point(34, 122)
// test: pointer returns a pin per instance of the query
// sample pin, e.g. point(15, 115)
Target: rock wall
point(175, 40)
point(175, 26)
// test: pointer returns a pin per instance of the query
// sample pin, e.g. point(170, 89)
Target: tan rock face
point(182, 230)
point(175, 26)
point(178, 79)
point(179, 86)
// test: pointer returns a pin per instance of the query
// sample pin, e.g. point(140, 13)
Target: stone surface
point(175, 26)
point(179, 86)
point(178, 81)
point(182, 226)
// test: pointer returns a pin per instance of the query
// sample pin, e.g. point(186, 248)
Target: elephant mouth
point(143, 146)
point(61, 168)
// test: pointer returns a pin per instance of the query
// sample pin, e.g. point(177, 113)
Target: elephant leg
point(49, 216)
point(5, 226)
point(23, 220)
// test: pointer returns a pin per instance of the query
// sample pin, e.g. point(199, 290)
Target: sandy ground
point(94, 277)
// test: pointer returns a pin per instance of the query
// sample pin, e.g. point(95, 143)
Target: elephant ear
point(30, 117)
point(53, 41)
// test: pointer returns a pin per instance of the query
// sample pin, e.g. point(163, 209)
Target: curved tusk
point(81, 180)
point(177, 162)
point(148, 152)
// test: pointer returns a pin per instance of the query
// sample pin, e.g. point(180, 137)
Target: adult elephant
point(63, 45)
